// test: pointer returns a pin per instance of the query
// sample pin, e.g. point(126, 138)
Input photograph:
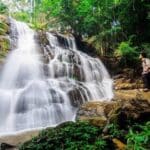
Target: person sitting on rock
point(146, 70)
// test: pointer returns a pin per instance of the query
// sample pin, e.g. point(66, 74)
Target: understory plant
point(68, 136)
point(128, 54)
point(138, 137)
point(84, 136)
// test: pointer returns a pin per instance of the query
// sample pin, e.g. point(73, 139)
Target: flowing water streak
point(40, 88)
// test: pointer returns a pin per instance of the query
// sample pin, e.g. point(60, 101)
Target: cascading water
point(40, 88)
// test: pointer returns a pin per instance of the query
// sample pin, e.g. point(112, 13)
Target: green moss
point(4, 28)
point(4, 44)
point(3, 8)
point(4, 47)
point(4, 41)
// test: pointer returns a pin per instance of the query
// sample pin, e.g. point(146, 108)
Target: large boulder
point(12, 141)
point(128, 79)
point(119, 110)
point(96, 112)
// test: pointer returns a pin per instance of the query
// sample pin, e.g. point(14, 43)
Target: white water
point(35, 93)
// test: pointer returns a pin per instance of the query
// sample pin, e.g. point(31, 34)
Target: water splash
point(40, 88)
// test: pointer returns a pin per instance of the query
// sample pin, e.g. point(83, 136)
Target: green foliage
point(128, 53)
point(110, 22)
point(22, 16)
point(69, 136)
point(146, 48)
point(126, 50)
point(133, 17)
point(3, 8)
point(84, 136)
point(114, 130)
point(138, 137)
point(3, 27)
point(4, 41)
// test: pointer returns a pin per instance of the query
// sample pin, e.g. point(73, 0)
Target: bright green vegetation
point(4, 47)
point(70, 136)
point(4, 28)
point(84, 136)
point(115, 28)
point(138, 137)
point(3, 8)
point(111, 26)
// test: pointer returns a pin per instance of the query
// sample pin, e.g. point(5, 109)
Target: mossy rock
point(4, 25)
point(4, 18)
point(4, 28)
point(120, 110)
point(4, 47)
point(4, 40)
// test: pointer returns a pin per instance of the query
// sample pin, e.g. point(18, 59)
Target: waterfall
point(42, 87)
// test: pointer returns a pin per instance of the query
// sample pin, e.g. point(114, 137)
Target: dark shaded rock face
point(85, 47)
point(77, 97)
point(96, 112)
point(44, 45)
point(136, 109)
point(4, 146)
point(62, 41)
point(120, 110)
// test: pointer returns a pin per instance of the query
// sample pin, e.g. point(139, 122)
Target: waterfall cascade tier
point(42, 87)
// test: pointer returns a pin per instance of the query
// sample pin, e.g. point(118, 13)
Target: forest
point(113, 31)
point(112, 27)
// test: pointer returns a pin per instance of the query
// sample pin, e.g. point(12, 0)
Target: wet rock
point(120, 110)
point(63, 41)
point(69, 57)
point(96, 112)
point(127, 83)
point(78, 73)
point(131, 94)
point(44, 46)
point(42, 38)
point(5, 146)
point(4, 38)
point(85, 46)
point(135, 109)
point(46, 70)
point(12, 141)
point(119, 144)
point(4, 25)
point(4, 44)
point(77, 96)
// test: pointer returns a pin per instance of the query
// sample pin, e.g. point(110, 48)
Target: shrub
point(22, 16)
point(115, 131)
point(146, 48)
point(3, 8)
point(127, 53)
point(138, 137)
point(69, 136)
